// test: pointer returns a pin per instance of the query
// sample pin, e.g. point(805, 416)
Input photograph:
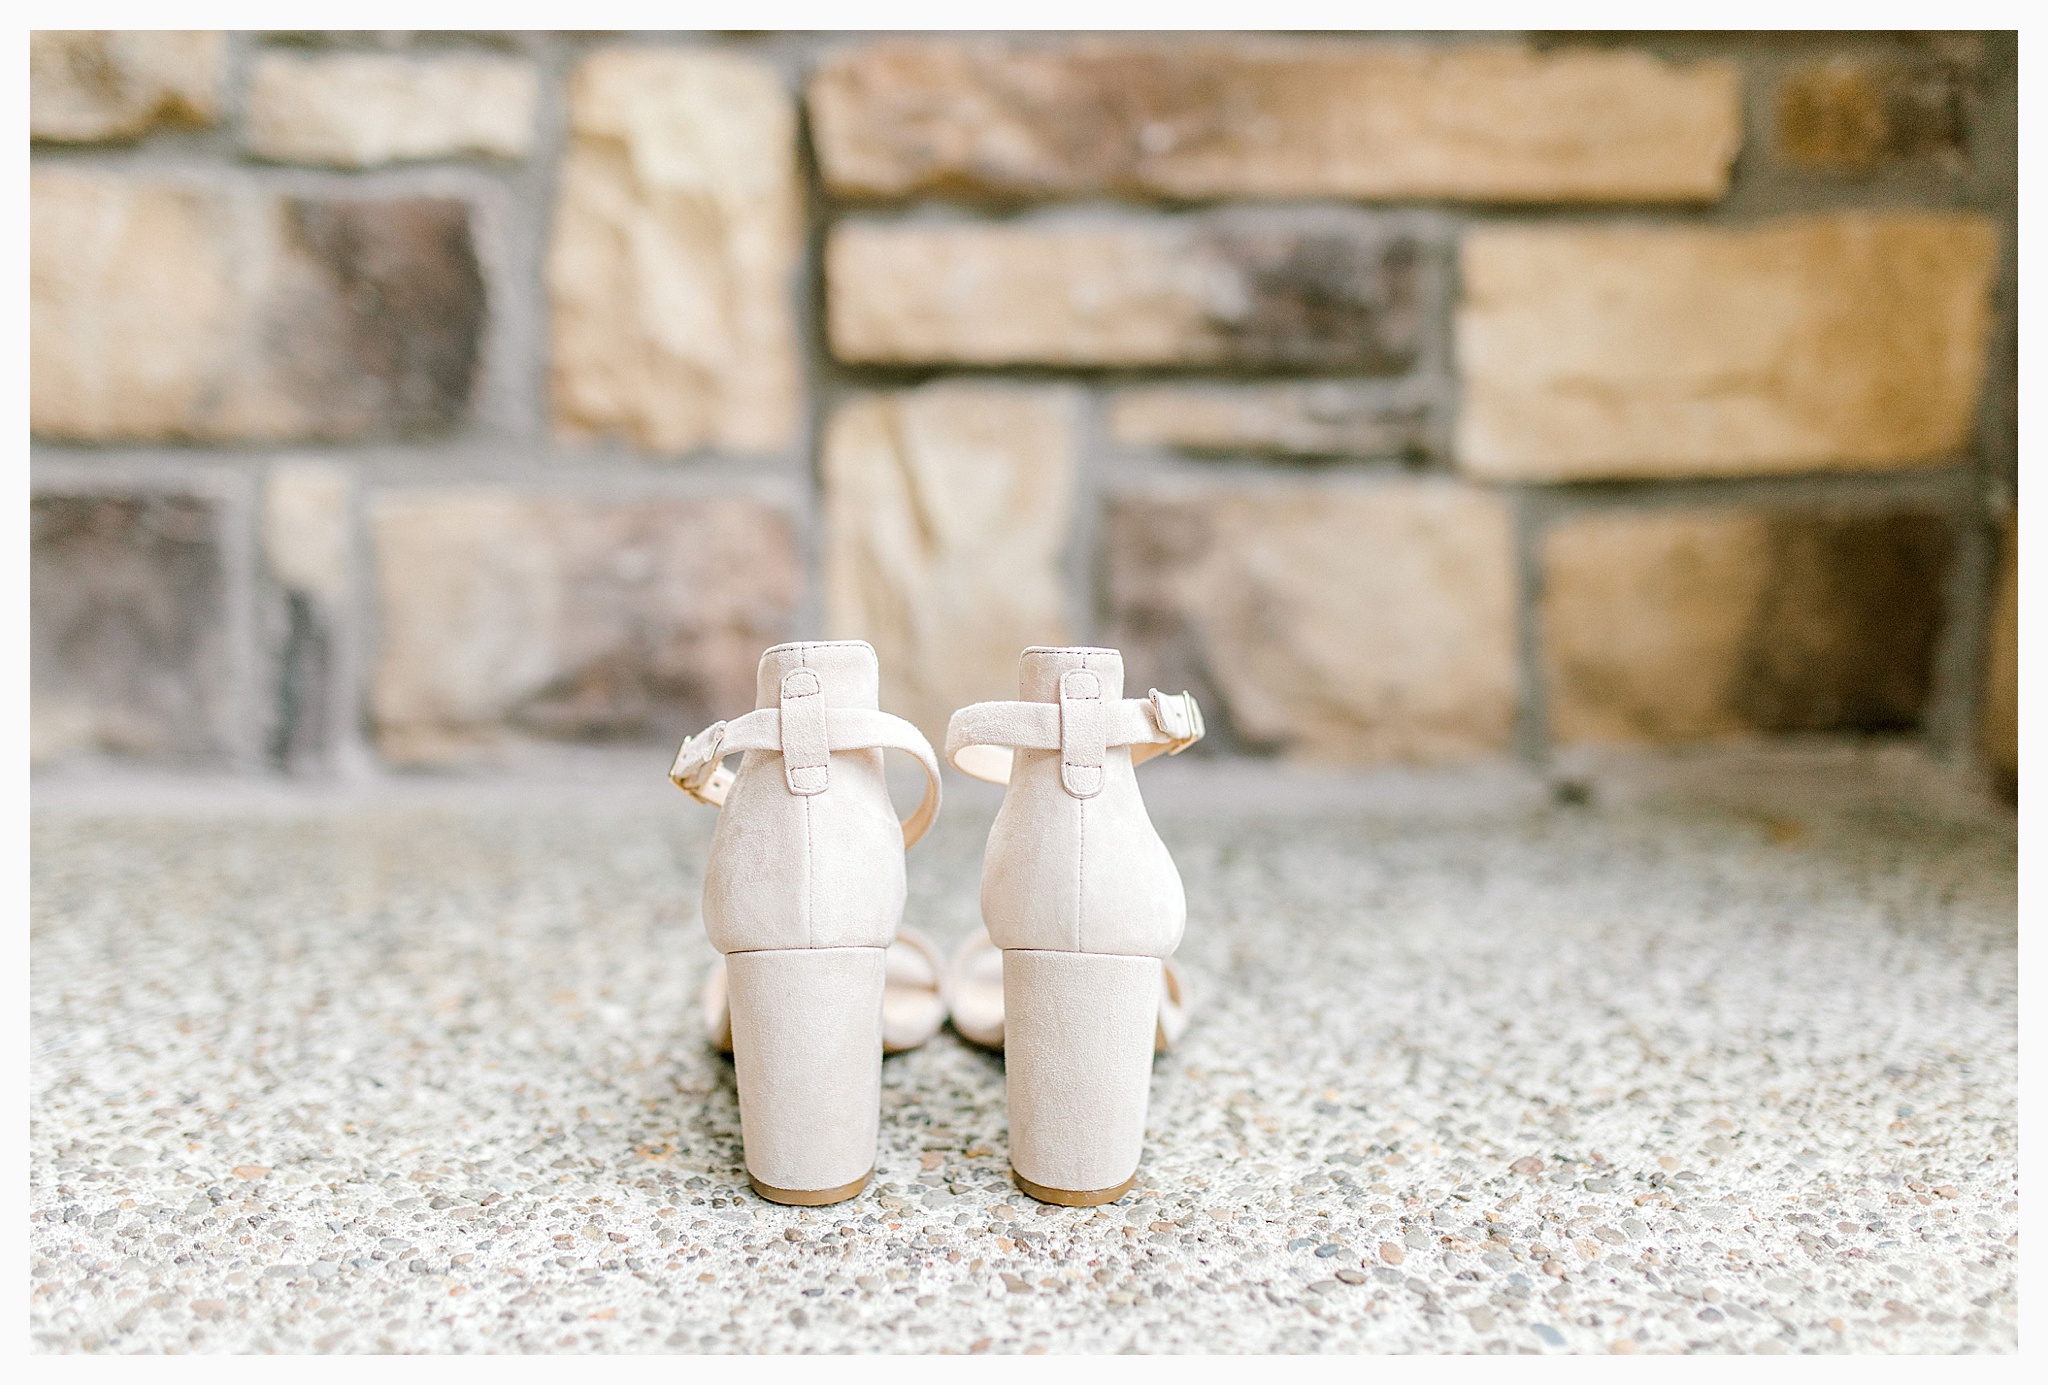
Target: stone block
point(307, 527)
point(356, 110)
point(678, 233)
point(1332, 620)
point(947, 509)
point(2000, 721)
point(508, 614)
point(162, 311)
point(1845, 341)
point(115, 84)
point(1855, 115)
point(128, 628)
point(1708, 624)
point(1318, 418)
point(1328, 290)
point(1246, 118)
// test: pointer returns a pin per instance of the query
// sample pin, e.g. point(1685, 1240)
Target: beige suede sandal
point(973, 996)
point(803, 893)
point(1084, 901)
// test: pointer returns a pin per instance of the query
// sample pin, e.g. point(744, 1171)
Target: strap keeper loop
point(805, 736)
point(1084, 733)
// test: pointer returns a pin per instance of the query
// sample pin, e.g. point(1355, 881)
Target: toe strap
point(974, 991)
point(913, 998)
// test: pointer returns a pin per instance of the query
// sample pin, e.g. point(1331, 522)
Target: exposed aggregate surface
point(399, 1074)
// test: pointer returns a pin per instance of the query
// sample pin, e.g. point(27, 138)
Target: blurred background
point(418, 401)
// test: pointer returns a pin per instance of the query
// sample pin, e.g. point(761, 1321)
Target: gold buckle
point(1180, 720)
point(696, 766)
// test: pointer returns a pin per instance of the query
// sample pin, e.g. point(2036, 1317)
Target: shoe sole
point(1067, 1197)
point(803, 1197)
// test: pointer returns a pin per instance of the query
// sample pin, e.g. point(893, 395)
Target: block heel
point(1079, 1035)
point(807, 1051)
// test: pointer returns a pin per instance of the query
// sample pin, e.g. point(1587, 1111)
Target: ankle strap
point(980, 738)
point(700, 772)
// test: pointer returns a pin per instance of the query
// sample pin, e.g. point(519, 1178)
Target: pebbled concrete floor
point(1702, 1055)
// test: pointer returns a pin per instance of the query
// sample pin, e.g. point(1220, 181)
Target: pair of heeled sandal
point(1071, 975)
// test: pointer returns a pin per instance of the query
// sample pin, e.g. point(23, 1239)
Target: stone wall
point(436, 399)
